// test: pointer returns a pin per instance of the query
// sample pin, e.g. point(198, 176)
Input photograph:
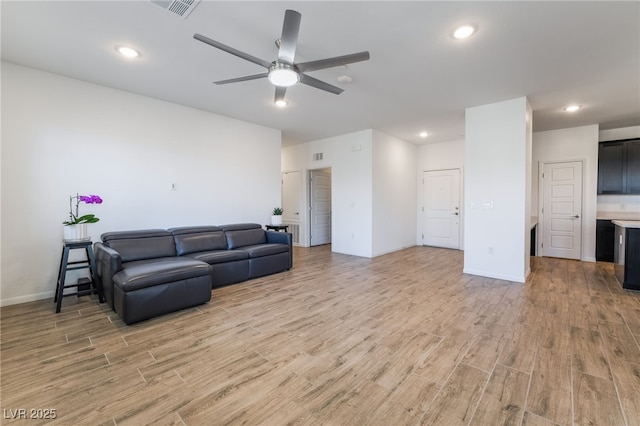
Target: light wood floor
point(402, 339)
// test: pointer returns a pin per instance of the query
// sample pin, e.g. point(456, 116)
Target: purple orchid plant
point(75, 219)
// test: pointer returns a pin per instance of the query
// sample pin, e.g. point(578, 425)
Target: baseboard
point(27, 298)
point(488, 274)
point(391, 251)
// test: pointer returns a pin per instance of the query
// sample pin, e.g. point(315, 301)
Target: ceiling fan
point(284, 72)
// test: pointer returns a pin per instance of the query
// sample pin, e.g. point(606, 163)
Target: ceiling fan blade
point(333, 62)
point(280, 91)
point(245, 78)
point(314, 82)
point(289, 38)
point(231, 50)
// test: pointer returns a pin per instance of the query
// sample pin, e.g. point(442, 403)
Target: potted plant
point(276, 216)
point(75, 229)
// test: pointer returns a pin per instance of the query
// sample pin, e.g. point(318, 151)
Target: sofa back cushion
point(244, 234)
point(141, 245)
point(198, 239)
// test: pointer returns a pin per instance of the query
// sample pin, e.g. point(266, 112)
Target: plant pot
point(76, 233)
point(276, 220)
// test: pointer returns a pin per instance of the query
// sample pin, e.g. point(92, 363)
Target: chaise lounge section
point(147, 273)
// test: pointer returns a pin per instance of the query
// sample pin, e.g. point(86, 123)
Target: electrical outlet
point(174, 186)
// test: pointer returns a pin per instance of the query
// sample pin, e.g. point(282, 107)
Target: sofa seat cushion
point(160, 271)
point(261, 250)
point(219, 256)
point(136, 263)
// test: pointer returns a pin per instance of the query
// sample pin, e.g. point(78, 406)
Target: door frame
point(461, 204)
point(540, 227)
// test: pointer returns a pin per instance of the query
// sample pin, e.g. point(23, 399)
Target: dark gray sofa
point(150, 272)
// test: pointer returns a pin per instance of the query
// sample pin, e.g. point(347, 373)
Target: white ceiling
point(418, 78)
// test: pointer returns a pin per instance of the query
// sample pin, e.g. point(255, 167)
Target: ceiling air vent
point(179, 7)
point(317, 156)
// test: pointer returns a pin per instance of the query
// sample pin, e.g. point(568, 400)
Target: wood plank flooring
point(402, 339)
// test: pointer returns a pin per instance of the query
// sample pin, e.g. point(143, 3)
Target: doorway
point(319, 207)
point(441, 217)
point(292, 204)
point(562, 210)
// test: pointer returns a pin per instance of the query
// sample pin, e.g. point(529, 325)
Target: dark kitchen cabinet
point(605, 240)
point(532, 250)
point(633, 167)
point(619, 167)
point(627, 257)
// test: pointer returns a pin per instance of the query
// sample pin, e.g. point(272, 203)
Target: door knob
point(577, 216)
point(455, 214)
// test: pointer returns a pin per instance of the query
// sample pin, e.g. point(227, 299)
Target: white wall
point(574, 144)
point(439, 156)
point(62, 136)
point(527, 196)
point(350, 159)
point(619, 203)
point(621, 133)
point(394, 193)
point(373, 190)
point(495, 172)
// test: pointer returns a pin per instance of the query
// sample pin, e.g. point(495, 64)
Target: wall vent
point(317, 156)
point(178, 7)
point(294, 229)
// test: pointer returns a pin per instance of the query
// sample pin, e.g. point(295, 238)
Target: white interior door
point(291, 196)
point(562, 209)
point(320, 208)
point(442, 208)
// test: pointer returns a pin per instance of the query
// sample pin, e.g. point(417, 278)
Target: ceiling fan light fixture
point(283, 75)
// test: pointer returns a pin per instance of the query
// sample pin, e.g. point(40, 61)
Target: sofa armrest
point(108, 263)
point(274, 237)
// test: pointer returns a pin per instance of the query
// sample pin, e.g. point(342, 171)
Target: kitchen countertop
point(627, 223)
point(618, 215)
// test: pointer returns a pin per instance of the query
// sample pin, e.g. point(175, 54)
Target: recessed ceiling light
point(281, 103)
point(127, 51)
point(464, 31)
point(424, 134)
point(572, 108)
